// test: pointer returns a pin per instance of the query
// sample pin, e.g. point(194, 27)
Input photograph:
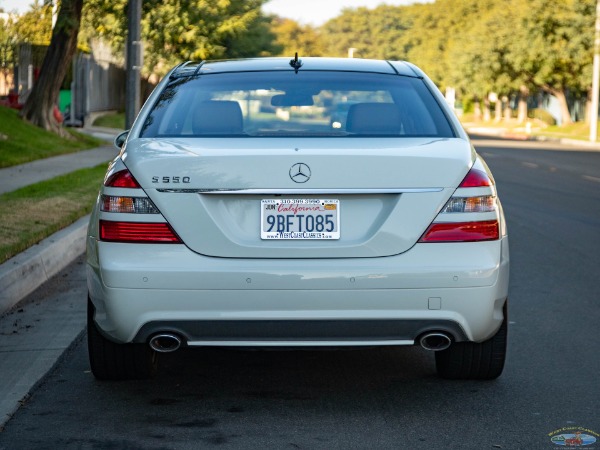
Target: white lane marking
point(589, 178)
point(530, 165)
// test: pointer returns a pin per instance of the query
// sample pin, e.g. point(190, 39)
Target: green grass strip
point(34, 212)
point(113, 120)
point(21, 142)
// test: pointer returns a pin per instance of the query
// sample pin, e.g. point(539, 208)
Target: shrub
point(542, 115)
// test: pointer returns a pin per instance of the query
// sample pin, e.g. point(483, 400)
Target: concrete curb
point(22, 274)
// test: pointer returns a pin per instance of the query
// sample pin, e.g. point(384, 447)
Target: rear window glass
point(306, 104)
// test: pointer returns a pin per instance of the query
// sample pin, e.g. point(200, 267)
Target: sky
point(312, 12)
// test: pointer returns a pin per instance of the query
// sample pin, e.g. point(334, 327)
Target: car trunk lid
point(388, 190)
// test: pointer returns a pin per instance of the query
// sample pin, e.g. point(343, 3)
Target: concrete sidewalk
point(16, 177)
point(34, 336)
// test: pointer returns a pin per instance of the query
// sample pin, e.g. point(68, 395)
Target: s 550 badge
point(174, 180)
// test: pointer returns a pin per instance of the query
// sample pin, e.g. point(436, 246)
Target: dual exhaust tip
point(435, 341)
point(165, 342)
point(169, 342)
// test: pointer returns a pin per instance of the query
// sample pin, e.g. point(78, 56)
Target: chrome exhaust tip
point(435, 341)
point(165, 342)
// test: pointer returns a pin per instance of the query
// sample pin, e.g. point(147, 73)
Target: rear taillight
point(121, 179)
point(462, 232)
point(137, 232)
point(475, 194)
point(136, 202)
point(477, 178)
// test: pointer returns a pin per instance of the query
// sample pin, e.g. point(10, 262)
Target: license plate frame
point(290, 219)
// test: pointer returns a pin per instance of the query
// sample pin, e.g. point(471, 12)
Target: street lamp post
point(134, 62)
point(595, 79)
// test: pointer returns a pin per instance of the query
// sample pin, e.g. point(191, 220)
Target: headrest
point(373, 118)
point(217, 117)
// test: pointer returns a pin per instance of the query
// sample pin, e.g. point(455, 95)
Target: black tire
point(475, 361)
point(111, 361)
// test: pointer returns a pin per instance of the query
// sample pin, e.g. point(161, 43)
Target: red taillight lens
point(121, 179)
point(462, 232)
point(476, 178)
point(137, 232)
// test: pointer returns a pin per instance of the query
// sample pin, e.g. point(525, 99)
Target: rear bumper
point(139, 290)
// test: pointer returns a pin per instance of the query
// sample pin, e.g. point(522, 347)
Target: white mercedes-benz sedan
point(311, 202)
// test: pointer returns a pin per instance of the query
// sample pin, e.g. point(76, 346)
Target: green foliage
point(7, 43)
point(478, 46)
point(541, 115)
point(180, 30)
point(21, 142)
point(293, 37)
point(376, 33)
point(114, 120)
point(34, 26)
point(475, 46)
point(468, 105)
point(258, 40)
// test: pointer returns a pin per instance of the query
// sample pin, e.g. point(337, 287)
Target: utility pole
point(595, 79)
point(134, 62)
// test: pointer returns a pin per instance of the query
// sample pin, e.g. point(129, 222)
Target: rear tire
point(475, 361)
point(111, 361)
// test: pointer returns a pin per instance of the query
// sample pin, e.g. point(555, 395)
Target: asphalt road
point(377, 398)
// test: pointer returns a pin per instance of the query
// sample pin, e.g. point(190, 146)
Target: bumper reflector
point(462, 232)
point(139, 232)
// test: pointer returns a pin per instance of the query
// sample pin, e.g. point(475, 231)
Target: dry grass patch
point(33, 213)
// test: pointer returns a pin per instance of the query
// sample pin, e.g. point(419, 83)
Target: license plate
point(304, 218)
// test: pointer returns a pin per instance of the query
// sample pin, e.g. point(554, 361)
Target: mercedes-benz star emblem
point(300, 173)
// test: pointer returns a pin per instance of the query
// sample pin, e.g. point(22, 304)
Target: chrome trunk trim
point(301, 191)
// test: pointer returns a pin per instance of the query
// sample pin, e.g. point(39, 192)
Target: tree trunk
point(498, 111)
point(40, 103)
point(507, 110)
point(564, 107)
point(522, 109)
point(486, 110)
point(477, 110)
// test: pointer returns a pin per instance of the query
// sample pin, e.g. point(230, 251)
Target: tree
point(476, 52)
point(7, 46)
point(38, 108)
point(180, 30)
point(35, 25)
point(293, 37)
point(259, 39)
point(552, 47)
point(374, 33)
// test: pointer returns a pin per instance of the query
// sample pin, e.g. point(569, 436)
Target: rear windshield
point(305, 104)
